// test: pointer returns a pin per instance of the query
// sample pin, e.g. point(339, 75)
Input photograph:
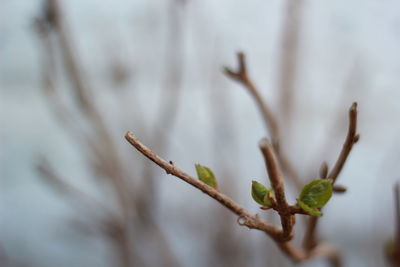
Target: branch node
point(339, 189)
point(323, 170)
point(356, 138)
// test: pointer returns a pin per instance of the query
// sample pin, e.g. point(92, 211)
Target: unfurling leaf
point(317, 193)
point(308, 209)
point(258, 192)
point(261, 194)
point(206, 176)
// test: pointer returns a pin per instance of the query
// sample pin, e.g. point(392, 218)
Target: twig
point(250, 220)
point(270, 122)
point(310, 237)
point(323, 170)
point(242, 76)
point(275, 177)
point(339, 189)
point(351, 138)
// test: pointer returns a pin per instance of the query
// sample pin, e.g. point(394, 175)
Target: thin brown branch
point(310, 237)
point(351, 138)
point(323, 170)
point(275, 177)
point(270, 122)
point(250, 220)
point(339, 189)
point(274, 173)
point(242, 76)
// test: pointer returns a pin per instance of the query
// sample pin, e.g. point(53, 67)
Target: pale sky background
point(347, 48)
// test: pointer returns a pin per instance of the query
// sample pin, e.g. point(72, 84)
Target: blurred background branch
point(72, 193)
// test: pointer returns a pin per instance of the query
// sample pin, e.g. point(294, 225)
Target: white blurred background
point(131, 53)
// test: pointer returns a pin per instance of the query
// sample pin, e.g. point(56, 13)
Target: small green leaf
point(308, 209)
point(317, 193)
point(261, 194)
point(258, 192)
point(206, 176)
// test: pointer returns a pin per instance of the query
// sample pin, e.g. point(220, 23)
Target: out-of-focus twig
point(53, 16)
point(242, 76)
point(289, 58)
point(91, 204)
point(170, 96)
point(103, 154)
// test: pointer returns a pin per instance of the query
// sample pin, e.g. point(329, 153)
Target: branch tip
point(227, 70)
point(323, 170)
point(339, 189)
point(264, 142)
point(129, 135)
point(354, 106)
point(242, 62)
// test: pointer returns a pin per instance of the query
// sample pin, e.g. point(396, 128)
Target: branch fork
point(277, 165)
